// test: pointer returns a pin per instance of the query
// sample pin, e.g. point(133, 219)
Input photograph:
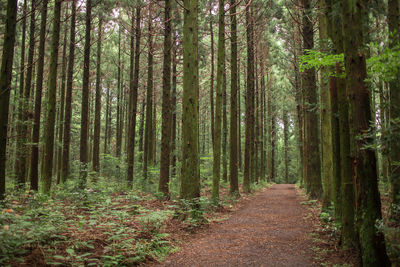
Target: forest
point(128, 128)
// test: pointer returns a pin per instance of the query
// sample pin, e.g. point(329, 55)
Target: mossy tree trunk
point(51, 102)
point(219, 101)
point(249, 132)
point(133, 93)
point(368, 205)
point(83, 147)
point(97, 122)
point(34, 173)
point(166, 104)
point(5, 86)
point(190, 179)
point(233, 134)
point(394, 38)
point(311, 143)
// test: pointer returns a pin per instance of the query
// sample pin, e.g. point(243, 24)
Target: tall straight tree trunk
point(154, 132)
point(166, 105)
point(286, 143)
point(34, 174)
point(326, 114)
point(149, 110)
point(337, 87)
point(218, 102)
point(394, 38)
point(106, 133)
point(239, 116)
point(119, 101)
point(27, 92)
point(133, 88)
point(233, 141)
point(83, 147)
point(68, 97)
point(190, 178)
point(62, 98)
point(249, 134)
point(212, 78)
point(270, 119)
point(97, 112)
point(51, 102)
point(311, 148)
point(141, 127)
point(368, 205)
point(224, 128)
point(20, 159)
point(173, 106)
point(5, 86)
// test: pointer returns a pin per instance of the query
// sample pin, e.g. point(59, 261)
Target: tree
point(51, 102)
point(218, 101)
point(312, 168)
point(373, 251)
point(190, 175)
point(68, 97)
point(149, 100)
point(233, 159)
point(249, 131)
point(38, 100)
point(394, 39)
point(5, 86)
point(83, 147)
point(20, 158)
point(133, 93)
point(166, 106)
point(96, 137)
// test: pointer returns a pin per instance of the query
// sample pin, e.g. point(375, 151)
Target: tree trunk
point(119, 101)
point(51, 102)
point(394, 38)
point(133, 88)
point(233, 158)
point(224, 128)
point(173, 106)
point(311, 143)
point(212, 78)
point(20, 158)
point(83, 147)
point(368, 205)
point(5, 86)
point(286, 143)
point(34, 174)
point(249, 132)
point(218, 102)
point(97, 112)
point(326, 114)
point(166, 106)
point(62, 98)
point(190, 179)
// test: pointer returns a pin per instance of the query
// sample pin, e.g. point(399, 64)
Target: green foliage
point(317, 59)
point(386, 64)
point(24, 229)
point(152, 222)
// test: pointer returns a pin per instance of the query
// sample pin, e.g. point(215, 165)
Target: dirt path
point(268, 231)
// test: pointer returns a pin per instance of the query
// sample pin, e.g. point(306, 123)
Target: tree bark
point(5, 86)
point(190, 178)
point(249, 131)
point(233, 141)
point(51, 102)
point(134, 84)
point(97, 112)
point(368, 205)
point(34, 174)
point(166, 105)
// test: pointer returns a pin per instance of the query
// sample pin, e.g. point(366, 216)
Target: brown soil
point(269, 230)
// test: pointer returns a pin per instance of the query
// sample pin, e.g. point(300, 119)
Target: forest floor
point(276, 227)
